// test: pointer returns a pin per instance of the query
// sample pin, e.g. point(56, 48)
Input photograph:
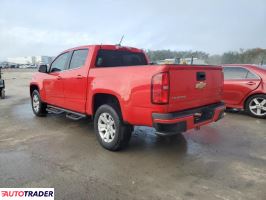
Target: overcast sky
point(48, 27)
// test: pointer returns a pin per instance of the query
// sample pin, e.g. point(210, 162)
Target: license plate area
point(203, 115)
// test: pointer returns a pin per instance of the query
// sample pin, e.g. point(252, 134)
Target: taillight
point(160, 88)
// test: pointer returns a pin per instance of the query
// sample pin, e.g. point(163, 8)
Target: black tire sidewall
point(108, 109)
point(120, 135)
point(2, 93)
point(248, 102)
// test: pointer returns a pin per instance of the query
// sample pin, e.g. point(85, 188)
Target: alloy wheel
point(257, 106)
point(36, 103)
point(106, 127)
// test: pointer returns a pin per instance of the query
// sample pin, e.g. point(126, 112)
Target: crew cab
point(118, 88)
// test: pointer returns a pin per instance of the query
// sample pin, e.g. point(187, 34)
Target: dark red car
point(245, 88)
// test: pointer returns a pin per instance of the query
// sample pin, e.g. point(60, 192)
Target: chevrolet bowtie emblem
point(200, 85)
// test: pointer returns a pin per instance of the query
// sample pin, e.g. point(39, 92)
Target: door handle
point(251, 83)
point(59, 77)
point(79, 76)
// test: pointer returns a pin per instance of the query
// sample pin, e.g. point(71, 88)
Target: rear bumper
point(172, 123)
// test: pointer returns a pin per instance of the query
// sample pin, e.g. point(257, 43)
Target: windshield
point(115, 58)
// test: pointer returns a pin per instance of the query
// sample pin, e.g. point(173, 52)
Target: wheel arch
point(34, 87)
point(99, 99)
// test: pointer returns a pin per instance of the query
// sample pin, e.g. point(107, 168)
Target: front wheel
point(111, 132)
point(38, 107)
point(256, 106)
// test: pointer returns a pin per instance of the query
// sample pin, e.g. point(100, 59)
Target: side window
point(250, 75)
point(78, 58)
point(60, 63)
point(235, 73)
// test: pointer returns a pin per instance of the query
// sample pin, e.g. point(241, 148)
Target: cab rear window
point(116, 58)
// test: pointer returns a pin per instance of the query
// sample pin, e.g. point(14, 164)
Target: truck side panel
point(131, 86)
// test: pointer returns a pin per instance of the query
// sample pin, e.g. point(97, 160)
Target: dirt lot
point(226, 160)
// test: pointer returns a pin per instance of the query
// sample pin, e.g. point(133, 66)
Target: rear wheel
point(256, 106)
point(111, 132)
point(38, 107)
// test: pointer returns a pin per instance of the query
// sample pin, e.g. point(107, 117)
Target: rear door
point(53, 83)
point(75, 81)
point(238, 83)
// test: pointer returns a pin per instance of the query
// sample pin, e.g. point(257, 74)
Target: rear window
point(116, 58)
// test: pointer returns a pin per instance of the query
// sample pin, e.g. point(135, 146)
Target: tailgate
point(194, 86)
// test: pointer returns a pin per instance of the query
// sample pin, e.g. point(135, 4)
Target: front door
point(53, 83)
point(75, 81)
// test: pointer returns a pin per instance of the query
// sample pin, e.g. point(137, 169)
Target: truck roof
point(107, 46)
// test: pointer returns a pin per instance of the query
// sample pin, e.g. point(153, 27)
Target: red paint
point(174, 86)
point(236, 92)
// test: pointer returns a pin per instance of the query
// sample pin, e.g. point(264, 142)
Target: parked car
point(118, 88)
point(245, 88)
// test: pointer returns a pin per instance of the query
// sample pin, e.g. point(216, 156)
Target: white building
point(30, 60)
point(196, 61)
point(26, 60)
point(42, 60)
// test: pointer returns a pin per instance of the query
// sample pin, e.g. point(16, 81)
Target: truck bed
point(132, 86)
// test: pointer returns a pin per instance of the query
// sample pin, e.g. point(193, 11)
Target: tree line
point(248, 56)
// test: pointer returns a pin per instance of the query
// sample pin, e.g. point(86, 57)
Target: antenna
point(121, 40)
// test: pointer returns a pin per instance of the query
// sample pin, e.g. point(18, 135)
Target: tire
point(38, 107)
point(110, 130)
point(256, 106)
point(2, 94)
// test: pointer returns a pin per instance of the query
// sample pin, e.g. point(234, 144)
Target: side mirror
point(43, 69)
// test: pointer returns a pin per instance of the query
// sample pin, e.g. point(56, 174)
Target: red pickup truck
point(118, 88)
